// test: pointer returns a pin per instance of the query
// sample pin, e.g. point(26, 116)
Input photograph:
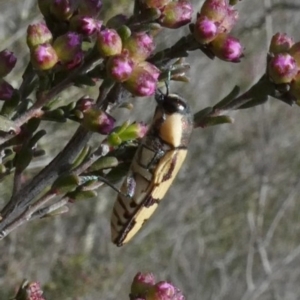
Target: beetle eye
point(180, 106)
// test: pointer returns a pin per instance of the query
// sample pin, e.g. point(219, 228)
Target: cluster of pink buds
point(92, 118)
point(284, 63)
point(213, 25)
point(144, 287)
point(171, 14)
point(72, 12)
point(77, 19)
point(30, 291)
point(126, 60)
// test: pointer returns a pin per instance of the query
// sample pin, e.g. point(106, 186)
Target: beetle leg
point(130, 186)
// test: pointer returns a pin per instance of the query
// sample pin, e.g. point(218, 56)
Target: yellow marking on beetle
point(156, 190)
point(171, 130)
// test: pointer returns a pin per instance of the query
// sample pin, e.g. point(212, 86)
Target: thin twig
point(101, 151)
point(61, 163)
point(26, 215)
point(49, 209)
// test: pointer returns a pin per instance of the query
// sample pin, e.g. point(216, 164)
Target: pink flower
point(119, 67)
point(43, 57)
point(85, 25)
point(141, 82)
point(68, 48)
point(205, 30)
point(176, 14)
point(109, 42)
point(282, 68)
point(140, 46)
point(281, 42)
point(227, 48)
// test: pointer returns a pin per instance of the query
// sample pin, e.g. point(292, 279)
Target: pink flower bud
point(85, 25)
point(35, 291)
point(141, 283)
point(43, 57)
point(90, 8)
point(119, 67)
point(230, 19)
point(109, 42)
point(280, 43)
point(6, 90)
point(141, 82)
point(164, 291)
point(68, 47)
point(206, 30)
point(38, 34)
point(282, 68)
point(176, 14)
point(132, 132)
point(139, 45)
point(215, 10)
point(141, 129)
point(227, 48)
point(7, 62)
point(153, 70)
point(147, 278)
point(30, 291)
point(63, 9)
point(98, 121)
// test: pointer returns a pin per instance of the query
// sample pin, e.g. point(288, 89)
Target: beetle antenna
point(167, 83)
point(104, 180)
point(159, 96)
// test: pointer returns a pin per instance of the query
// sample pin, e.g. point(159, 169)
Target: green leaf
point(66, 183)
point(104, 163)
point(57, 115)
point(215, 120)
point(114, 139)
point(226, 100)
point(86, 150)
point(33, 124)
point(254, 102)
point(124, 32)
point(23, 159)
point(202, 113)
point(10, 106)
point(37, 136)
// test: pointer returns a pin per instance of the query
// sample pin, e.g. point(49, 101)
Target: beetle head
point(172, 103)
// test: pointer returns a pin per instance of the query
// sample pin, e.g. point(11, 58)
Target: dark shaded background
point(228, 228)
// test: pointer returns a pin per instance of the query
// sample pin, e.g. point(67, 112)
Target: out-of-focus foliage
point(229, 226)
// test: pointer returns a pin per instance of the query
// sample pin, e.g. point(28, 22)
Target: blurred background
point(229, 228)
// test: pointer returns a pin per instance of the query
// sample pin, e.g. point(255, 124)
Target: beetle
point(155, 165)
